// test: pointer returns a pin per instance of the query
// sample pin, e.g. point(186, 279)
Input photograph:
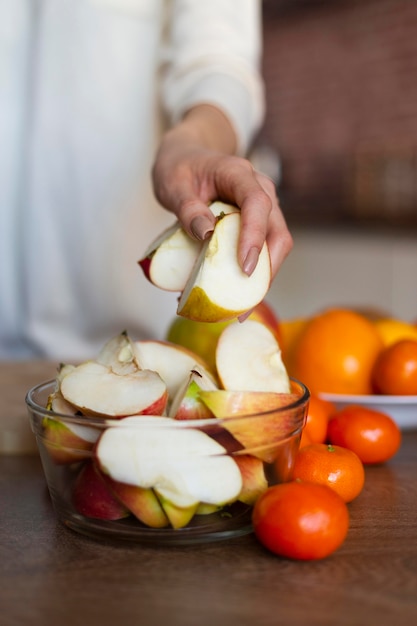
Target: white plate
point(403, 409)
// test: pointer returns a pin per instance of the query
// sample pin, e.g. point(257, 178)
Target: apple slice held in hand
point(169, 260)
point(248, 358)
point(96, 390)
point(218, 289)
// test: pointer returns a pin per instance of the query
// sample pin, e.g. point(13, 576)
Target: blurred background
point(340, 136)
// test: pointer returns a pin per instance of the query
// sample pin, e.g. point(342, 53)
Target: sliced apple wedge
point(95, 390)
point(170, 258)
point(253, 478)
point(255, 419)
point(184, 465)
point(142, 503)
point(186, 404)
point(218, 289)
point(172, 362)
point(225, 403)
point(93, 498)
point(66, 442)
point(248, 358)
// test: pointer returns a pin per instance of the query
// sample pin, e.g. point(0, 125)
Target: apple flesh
point(95, 390)
point(92, 497)
point(218, 289)
point(172, 362)
point(248, 358)
point(184, 465)
point(118, 355)
point(169, 260)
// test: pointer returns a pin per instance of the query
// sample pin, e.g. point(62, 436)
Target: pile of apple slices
point(213, 287)
point(162, 438)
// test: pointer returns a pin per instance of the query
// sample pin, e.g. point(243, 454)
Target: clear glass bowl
point(262, 445)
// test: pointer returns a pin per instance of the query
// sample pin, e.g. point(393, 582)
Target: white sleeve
point(213, 57)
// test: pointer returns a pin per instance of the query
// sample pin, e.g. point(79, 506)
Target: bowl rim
point(104, 422)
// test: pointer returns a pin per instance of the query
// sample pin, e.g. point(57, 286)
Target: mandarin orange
point(334, 466)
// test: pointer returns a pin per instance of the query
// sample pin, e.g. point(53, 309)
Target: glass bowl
point(161, 480)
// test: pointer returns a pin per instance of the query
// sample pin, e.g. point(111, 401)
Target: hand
point(188, 175)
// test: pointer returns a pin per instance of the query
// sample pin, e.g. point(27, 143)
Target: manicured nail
point(251, 261)
point(201, 227)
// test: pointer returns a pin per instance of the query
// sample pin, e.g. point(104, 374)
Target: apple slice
point(118, 354)
point(92, 498)
point(248, 358)
point(186, 404)
point(66, 442)
point(253, 478)
point(172, 362)
point(95, 390)
point(218, 289)
point(169, 260)
point(142, 503)
point(263, 424)
point(184, 465)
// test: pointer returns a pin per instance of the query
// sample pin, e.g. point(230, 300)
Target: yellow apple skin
point(201, 337)
point(178, 516)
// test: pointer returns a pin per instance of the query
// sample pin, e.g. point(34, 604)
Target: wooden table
point(51, 575)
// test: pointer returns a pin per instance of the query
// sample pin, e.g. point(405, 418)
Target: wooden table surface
point(51, 575)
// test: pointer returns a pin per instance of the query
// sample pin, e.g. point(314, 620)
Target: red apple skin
point(157, 407)
point(145, 265)
point(63, 445)
point(91, 496)
point(253, 478)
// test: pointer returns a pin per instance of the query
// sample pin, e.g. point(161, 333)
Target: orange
point(334, 466)
point(395, 369)
point(372, 435)
point(336, 352)
point(393, 330)
point(319, 412)
point(303, 521)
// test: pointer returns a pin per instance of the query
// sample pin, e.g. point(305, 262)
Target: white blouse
point(84, 87)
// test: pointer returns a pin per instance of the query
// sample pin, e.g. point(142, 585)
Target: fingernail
point(251, 260)
point(201, 227)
